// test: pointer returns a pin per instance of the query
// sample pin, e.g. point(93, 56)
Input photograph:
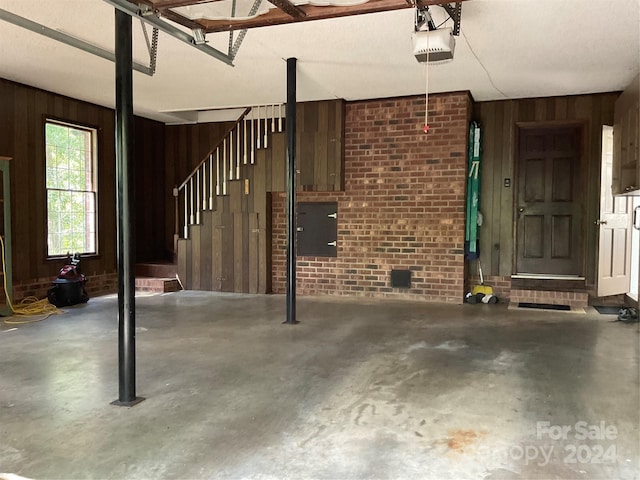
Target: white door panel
point(614, 255)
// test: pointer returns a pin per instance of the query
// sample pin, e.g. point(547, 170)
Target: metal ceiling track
point(453, 10)
point(70, 40)
point(151, 18)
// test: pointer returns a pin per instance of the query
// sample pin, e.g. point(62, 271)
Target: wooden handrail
point(206, 157)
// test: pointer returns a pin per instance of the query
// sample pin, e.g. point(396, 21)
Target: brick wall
point(100, 284)
point(403, 206)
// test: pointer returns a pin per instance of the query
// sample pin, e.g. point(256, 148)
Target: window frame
point(93, 132)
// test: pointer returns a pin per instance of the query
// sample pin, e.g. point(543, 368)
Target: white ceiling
point(507, 49)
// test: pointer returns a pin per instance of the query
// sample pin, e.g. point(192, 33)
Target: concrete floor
point(360, 390)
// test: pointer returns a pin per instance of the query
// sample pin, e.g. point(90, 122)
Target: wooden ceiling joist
point(286, 12)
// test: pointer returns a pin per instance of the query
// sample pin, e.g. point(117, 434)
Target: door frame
point(583, 127)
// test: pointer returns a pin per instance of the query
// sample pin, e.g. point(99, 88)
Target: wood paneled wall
point(230, 250)
point(626, 134)
point(185, 147)
point(164, 156)
point(319, 146)
point(151, 190)
point(499, 121)
point(23, 111)
point(319, 156)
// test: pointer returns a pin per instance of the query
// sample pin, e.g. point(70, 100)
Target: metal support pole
point(291, 191)
point(124, 212)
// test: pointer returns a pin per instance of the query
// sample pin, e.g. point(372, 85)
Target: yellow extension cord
point(29, 306)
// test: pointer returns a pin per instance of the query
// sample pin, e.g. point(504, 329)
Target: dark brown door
point(550, 202)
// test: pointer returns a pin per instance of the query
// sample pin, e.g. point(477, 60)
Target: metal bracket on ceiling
point(233, 50)
point(233, 14)
point(152, 46)
point(143, 14)
point(455, 12)
point(423, 16)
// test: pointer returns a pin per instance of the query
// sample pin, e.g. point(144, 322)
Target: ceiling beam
point(287, 12)
point(311, 12)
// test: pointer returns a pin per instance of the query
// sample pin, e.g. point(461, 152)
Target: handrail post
point(176, 223)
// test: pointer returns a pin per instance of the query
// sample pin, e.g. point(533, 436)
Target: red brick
point(403, 205)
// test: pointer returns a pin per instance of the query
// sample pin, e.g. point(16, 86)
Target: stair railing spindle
point(218, 171)
point(253, 141)
point(186, 211)
point(205, 184)
point(176, 218)
point(231, 177)
point(191, 217)
point(224, 167)
point(245, 138)
point(266, 126)
point(273, 118)
point(238, 153)
point(198, 197)
point(211, 182)
point(257, 124)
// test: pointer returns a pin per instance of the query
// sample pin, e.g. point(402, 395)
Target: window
point(71, 189)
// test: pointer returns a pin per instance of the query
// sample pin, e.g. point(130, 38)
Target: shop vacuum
point(68, 288)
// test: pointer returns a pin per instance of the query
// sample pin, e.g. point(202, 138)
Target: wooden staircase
point(224, 207)
point(223, 233)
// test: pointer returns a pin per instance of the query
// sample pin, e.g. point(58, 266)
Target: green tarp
point(473, 192)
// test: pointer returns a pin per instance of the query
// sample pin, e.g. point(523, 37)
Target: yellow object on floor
point(486, 289)
point(29, 306)
point(482, 288)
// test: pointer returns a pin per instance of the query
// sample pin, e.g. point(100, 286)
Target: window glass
point(71, 189)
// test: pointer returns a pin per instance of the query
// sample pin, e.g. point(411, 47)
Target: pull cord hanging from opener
point(427, 18)
point(426, 95)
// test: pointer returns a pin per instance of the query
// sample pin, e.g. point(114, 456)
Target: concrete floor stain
point(460, 439)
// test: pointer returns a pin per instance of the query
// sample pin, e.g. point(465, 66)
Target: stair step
point(160, 269)
point(157, 285)
point(573, 299)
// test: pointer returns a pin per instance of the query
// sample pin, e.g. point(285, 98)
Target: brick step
point(159, 269)
point(157, 285)
point(573, 299)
